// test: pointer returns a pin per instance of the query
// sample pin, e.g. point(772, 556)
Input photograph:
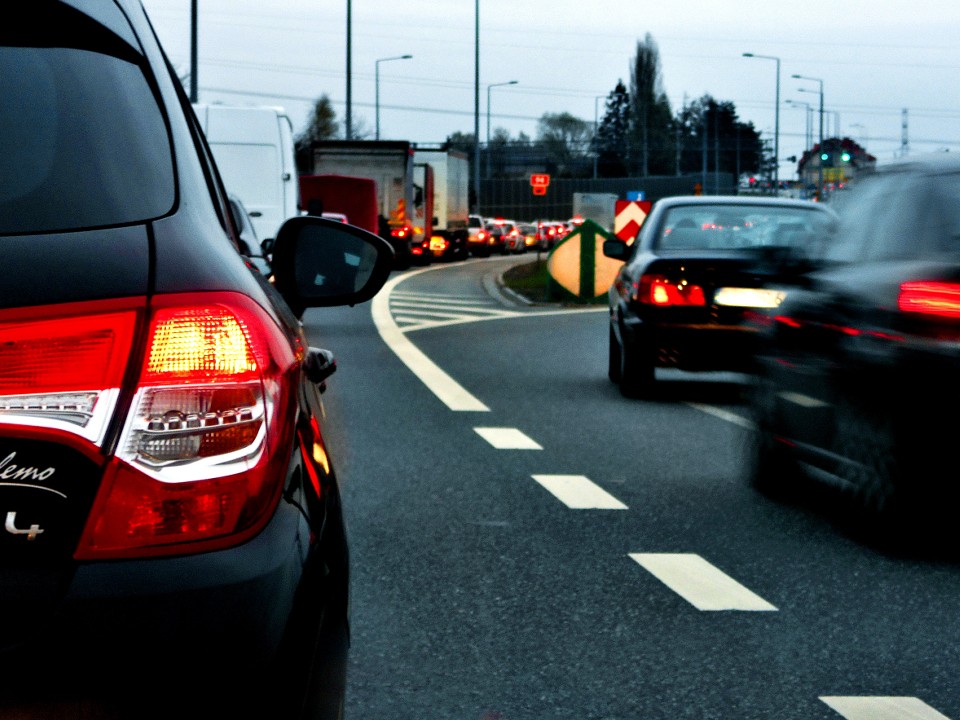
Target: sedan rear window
point(65, 167)
point(732, 227)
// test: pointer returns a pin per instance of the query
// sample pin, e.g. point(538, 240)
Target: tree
point(652, 133)
point(322, 125)
point(565, 140)
point(712, 138)
point(610, 139)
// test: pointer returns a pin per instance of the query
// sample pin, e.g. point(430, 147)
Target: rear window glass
point(82, 142)
point(732, 227)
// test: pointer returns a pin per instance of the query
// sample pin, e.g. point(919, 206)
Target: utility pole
point(349, 122)
point(193, 51)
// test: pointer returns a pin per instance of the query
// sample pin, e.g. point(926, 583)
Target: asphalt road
point(568, 553)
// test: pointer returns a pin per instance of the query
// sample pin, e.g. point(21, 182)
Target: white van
point(253, 147)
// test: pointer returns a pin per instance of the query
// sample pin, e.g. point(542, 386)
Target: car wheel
point(613, 362)
point(868, 465)
point(636, 371)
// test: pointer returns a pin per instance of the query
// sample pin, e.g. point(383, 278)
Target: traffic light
point(826, 159)
point(845, 157)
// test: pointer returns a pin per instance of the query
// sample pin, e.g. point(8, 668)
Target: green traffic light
point(845, 157)
point(824, 156)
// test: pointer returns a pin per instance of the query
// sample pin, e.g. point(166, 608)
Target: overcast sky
point(889, 68)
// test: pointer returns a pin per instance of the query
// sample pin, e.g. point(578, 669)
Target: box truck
point(447, 173)
point(353, 197)
point(254, 149)
point(389, 163)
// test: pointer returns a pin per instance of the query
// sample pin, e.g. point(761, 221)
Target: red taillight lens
point(930, 298)
point(198, 465)
point(658, 290)
point(65, 372)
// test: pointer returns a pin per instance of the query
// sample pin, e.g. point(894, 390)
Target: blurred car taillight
point(930, 298)
point(199, 463)
point(661, 291)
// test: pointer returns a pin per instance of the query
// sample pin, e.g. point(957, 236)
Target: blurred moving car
point(173, 540)
point(857, 369)
point(698, 266)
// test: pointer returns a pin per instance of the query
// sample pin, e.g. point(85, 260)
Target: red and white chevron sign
point(628, 217)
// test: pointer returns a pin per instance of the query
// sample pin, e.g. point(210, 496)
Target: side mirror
point(319, 262)
point(616, 248)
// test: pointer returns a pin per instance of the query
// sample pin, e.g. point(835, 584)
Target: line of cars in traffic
point(502, 236)
point(844, 320)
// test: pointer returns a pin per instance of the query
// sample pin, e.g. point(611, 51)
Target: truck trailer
point(390, 164)
point(447, 173)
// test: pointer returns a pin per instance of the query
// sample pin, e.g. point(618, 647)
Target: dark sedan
point(857, 371)
point(173, 542)
point(698, 267)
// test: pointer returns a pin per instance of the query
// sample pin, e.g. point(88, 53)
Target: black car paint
point(188, 634)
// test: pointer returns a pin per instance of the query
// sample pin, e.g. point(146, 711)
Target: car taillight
point(482, 235)
point(930, 298)
point(64, 373)
point(199, 463)
point(660, 291)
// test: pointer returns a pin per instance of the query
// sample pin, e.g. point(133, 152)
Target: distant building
point(840, 159)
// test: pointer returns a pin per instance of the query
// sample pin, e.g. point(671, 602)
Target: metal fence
point(514, 199)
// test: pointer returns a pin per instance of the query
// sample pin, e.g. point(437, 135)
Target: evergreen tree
point(610, 139)
point(322, 125)
point(651, 137)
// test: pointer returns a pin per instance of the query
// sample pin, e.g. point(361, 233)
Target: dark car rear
point(698, 268)
point(173, 542)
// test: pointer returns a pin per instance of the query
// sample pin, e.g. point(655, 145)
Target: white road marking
point(700, 583)
point(883, 708)
point(722, 414)
point(579, 493)
point(507, 438)
point(802, 400)
point(448, 390)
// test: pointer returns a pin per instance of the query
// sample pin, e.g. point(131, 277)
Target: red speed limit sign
point(539, 183)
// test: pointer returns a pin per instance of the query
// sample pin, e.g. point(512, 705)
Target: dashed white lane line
point(507, 438)
point(700, 583)
point(883, 708)
point(579, 493)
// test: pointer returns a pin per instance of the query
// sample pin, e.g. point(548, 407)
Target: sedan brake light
point(930, 298)
point(198, 464)
point(64, 373)
point(659, 290)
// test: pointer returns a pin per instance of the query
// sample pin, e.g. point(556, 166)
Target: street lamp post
point(377, 76)
point(819, 162)
point(776, 123)
point(492, 85)
point(596, 127)
point(808, 132)
point(476, 106)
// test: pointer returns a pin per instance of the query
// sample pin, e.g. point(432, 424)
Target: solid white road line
point(507, 438)
point(883, 708)
point(700, 583)
point(579, 493)
point(448, 390)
